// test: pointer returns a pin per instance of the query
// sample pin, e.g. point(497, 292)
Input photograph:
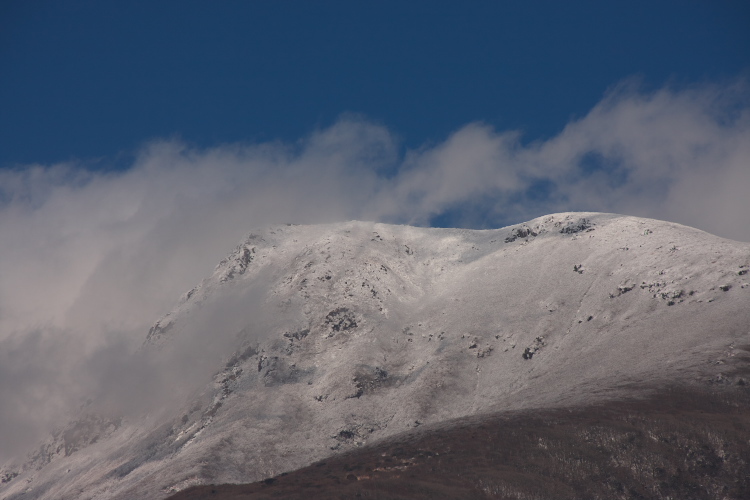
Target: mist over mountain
point(91, 253)
point(312, 341)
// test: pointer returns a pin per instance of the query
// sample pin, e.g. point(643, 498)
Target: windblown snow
point(323, 338)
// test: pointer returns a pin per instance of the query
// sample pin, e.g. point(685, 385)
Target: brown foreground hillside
point(676, 444)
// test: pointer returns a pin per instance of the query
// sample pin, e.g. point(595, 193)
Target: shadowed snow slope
point(315, 340)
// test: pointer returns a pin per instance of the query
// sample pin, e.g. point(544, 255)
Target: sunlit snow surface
point(318, 339)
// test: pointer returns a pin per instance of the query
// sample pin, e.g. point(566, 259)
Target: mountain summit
point(310, 341)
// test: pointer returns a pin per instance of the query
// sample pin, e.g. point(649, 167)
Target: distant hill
point(576, 355)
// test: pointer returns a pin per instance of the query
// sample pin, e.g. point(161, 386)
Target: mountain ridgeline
point(376, 350)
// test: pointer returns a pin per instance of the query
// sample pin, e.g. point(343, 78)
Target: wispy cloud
point(89, 259)
point(677, 155)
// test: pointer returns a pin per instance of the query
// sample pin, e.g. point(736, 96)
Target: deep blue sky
point(89, 79)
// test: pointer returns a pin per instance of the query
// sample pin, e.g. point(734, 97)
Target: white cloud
point(90, 259)
point(677, 155)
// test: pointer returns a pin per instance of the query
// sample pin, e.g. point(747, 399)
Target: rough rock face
point(340, 335)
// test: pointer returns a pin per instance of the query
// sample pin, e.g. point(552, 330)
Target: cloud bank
point(90, 259)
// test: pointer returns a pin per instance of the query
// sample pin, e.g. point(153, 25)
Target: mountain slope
point(674, 444)
point(320, 339)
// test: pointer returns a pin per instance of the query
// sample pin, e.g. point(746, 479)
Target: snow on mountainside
point(324, 338)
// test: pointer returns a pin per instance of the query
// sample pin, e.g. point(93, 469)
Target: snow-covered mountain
point(311, 340)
